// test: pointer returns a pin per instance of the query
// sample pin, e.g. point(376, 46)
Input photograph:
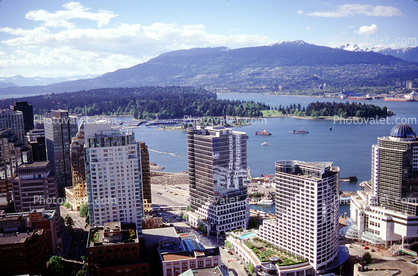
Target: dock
point(345, 196)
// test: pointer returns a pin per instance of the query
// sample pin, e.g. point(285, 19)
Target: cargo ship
point(407, 98)
point(360, 98)
point(264, 132)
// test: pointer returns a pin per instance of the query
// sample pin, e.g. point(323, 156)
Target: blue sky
point(53, 38)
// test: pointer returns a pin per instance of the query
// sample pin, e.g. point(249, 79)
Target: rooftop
point(16, 216)
point(403, 131)
point(208, 271)
point(177, 256)
point(34, 165)
point(153, 236)
point(112, 233)
point(16, 237)
point(380, 268)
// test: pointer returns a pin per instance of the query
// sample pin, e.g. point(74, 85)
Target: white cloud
point(308, 28)
point(75, 51)
point(73, 10)
point(350, 27)
point(300, 12)
point(368, 30)
point(359, 9)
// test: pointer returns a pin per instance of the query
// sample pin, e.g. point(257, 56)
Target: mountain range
point(19, 80)
point(288, 66)
point(407, 53)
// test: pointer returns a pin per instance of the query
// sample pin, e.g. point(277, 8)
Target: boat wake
point(165, 152)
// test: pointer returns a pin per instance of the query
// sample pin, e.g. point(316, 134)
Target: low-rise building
point(395, 267)
point(151, 222)
point(115, 249)
point(178, 256)
point(209, 271)
point(22, 253)
point(35, 219)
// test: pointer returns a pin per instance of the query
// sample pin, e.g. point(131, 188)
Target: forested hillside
point(143, 102)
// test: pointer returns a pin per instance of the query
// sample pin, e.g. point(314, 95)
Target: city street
point(74, 243)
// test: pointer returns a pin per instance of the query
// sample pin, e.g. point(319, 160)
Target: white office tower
point(386, 210)
point(307, 211)
point(217, 161)
point(113, 176)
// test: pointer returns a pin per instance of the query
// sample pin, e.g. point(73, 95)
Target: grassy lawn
point(268, 113)
point(264, 251)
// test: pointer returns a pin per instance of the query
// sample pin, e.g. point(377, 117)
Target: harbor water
point(347, 145)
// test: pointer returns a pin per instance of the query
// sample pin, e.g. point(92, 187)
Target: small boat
point(264, 132)
point(349, 179)
point(265, 144)
point(299, 131)
point(330, 128)
point(266, 202)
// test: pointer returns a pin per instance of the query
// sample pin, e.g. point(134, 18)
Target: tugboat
point(264, 133)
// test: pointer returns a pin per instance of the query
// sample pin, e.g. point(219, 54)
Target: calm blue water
point(347, 145)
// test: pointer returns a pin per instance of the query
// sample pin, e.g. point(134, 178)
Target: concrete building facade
point(35, 187)
point(113, 176)
point(307, 211)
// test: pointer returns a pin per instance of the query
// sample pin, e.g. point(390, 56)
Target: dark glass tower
point(27, 111)
point(217, 161)
point(59, 129)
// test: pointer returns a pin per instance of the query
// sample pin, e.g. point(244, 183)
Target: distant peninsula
point(328, 110)
point(148, 102)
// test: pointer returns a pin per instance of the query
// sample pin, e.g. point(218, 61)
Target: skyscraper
point(59, 129)
point(307, 211)
point(387, 208)
point(13, 120)
point(217, 161)
point(78, 172)
point(13, 152)
point(27, 111)
point(113, 176)
point(35, 187)
point(146, 177)
point(395, 170)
